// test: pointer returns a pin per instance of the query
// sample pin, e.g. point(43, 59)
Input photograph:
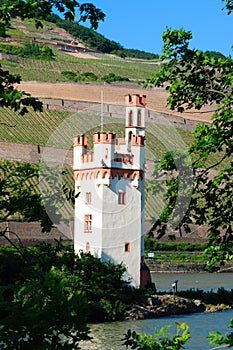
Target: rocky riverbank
point(167, 305)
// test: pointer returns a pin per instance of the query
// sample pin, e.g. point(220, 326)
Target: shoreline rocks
point(168, 305)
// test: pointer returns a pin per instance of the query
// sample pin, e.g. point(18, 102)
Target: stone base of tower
point(145, 276)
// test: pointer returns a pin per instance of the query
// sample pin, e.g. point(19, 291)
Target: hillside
point(70, 59)
point(73, 61)
point(45, 79)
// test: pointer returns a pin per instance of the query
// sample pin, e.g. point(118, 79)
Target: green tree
point(228, 6)
point(194, 80)
point(37, 51)
point(40, 10)
point(93, 39)
point(52, 292)
point(47, 311)
point(214, 54)
point(19, 194)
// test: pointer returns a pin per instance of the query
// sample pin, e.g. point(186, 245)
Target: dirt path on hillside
point(113, 94)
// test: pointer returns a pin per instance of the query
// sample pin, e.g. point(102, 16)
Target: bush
point(174, 246)
point(29, 51)
point(113, 77)
point(86, 76)
point(46, 312)
point(37, 51)
point(51, 293)
point(69, 75)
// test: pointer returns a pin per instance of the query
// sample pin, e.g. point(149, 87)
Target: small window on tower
point(139, 118)
point(127, 247)
point(87, 247)
point(130, 118)
point(87, 223)
point(88, 197)
point(106, 153)
point(121, 197)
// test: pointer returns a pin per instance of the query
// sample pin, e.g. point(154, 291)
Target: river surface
point(107, 336)
point(205, 281)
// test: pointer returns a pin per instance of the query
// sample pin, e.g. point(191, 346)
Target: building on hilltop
point(109, 211)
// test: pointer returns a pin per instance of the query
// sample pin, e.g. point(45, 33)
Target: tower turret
point(135, 116)
point(80, 148)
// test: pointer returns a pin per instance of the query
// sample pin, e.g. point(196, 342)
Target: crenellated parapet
point(104, 137)
point(137, 140)
point(80, 140)
point(87, 157)
point(135, 100)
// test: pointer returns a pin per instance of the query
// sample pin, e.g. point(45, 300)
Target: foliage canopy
point(51, 293)
point(193, 80)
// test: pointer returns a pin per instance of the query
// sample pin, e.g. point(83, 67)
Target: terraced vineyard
point(42, 70)
point(57, 128)
point(52, 70)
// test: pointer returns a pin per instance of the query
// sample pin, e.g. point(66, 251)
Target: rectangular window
point(106, 153)
point(88, 197)
point(87, 223)
point(121, 197)
point(87, 247)
point(127, 247)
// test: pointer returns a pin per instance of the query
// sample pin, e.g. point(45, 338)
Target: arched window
point(130, 118)
point(139, 118)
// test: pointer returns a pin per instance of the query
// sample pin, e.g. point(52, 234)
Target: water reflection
point(108, 336)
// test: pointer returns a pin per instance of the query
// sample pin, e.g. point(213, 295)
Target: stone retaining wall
point(29, 233)
point(33, 153)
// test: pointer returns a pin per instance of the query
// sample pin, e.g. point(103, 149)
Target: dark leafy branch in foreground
point(40, 10)
point(12, 98)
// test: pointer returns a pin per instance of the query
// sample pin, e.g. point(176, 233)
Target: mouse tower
point(109, 210)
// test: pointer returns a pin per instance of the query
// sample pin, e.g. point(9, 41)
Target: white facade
point(109, 211)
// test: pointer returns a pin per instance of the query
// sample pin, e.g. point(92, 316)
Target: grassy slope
point(30, 69)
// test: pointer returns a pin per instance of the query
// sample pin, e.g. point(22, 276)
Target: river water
point(205, 281)
point(107, 336)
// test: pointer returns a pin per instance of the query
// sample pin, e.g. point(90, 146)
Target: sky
point(139, 24)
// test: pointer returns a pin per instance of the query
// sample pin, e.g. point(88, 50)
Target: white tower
point(109, 211)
